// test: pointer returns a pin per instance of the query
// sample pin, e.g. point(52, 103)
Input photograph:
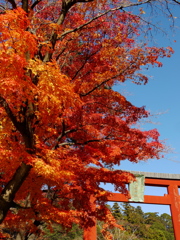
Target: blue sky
point(161, 96)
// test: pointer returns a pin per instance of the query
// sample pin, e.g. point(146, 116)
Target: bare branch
point(147, 22)
point(178, 2)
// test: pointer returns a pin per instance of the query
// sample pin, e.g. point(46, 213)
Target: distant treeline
point(137, 225)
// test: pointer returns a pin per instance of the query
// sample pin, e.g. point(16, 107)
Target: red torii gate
point(172, 198)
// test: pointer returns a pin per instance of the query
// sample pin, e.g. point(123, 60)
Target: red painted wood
point(118, 197)
point(161, 182)
point(175, 209)
point(157, 199)
point(172, 199)
point(90, 233)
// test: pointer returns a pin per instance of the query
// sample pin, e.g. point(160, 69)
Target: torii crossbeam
point(172, 198)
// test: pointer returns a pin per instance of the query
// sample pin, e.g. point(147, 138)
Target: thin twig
point(101, 15)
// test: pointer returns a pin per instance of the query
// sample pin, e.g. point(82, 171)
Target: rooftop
point(157, 175)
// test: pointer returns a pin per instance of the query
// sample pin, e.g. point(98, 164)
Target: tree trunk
point(8, 193)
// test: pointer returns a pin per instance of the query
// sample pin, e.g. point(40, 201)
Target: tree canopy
point(63, 126)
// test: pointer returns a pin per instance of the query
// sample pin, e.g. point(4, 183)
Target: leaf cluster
point(63, 127)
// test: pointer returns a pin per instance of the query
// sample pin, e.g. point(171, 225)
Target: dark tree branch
point(105, 81)
point(18, 125)
point(12, 2)
point(99, 85)
point(66, 5)
point(78, 144)
point(23, 127)
point(18, 206)
point(11, 188)
point(101, 15)
point(25, 5)
point(84, 63)
point(8, 193)
point(35, 3)
point(178, 2)
point(64, 49)
point(60, 136)
point(148, 23)
point(63, 133)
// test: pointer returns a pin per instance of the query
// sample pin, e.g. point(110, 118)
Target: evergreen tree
point(116, 211)
point(57, 232)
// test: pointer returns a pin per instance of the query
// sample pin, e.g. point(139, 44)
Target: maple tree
point(62, 123)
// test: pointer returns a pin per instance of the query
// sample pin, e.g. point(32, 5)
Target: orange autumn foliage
point(63, 126)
